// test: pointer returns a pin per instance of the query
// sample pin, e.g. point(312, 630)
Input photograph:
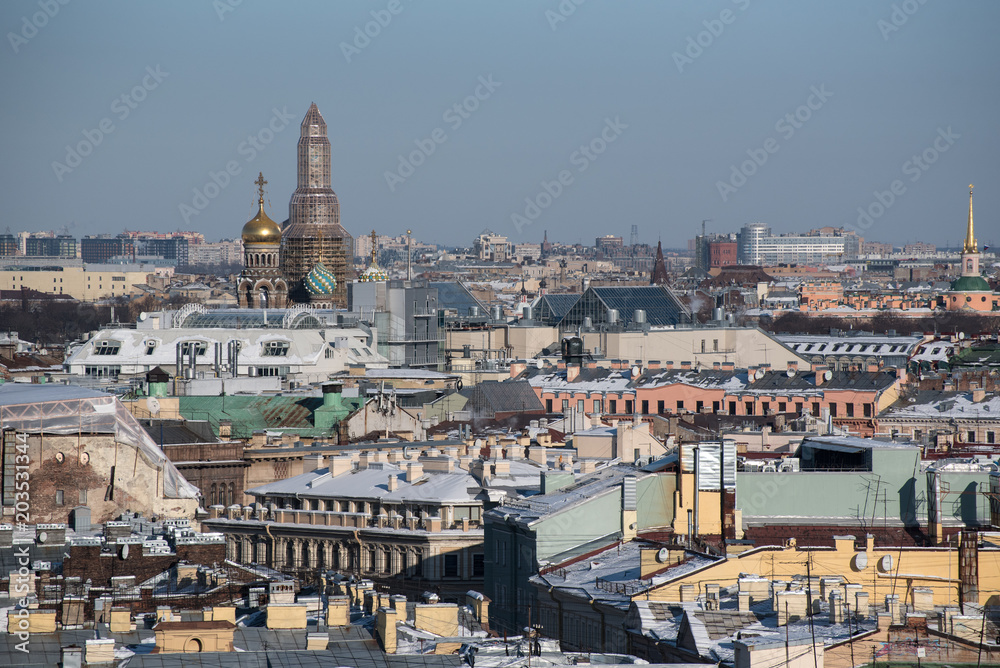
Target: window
point(548, 405)
point(478, 565)
point(60, 497)
point(732, 408)
point(83, 497)
point(970, 437)
point(565, 405)
point(645, 407)
point(629, 406)
point(612, 406)
point(850, 409)
point(598, 406)
point(749, 407)
point(715, 345)
point(798, 407)
point(782, 406)
point(150, 347)
point(715, 406)
point(991, 437)
point(833, 409)
point(703, 345)
point(199, 347)
point(868, 410)
point(698, 405)
point(274, 349)
point(765, 407)
point(451, 565)
point(107, 347)
point(815, 408)
point(680, 405)
point(579, 405)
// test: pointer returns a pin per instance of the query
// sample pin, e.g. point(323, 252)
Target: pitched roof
point(491, 396)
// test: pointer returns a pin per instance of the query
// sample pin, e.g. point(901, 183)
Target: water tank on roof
point(588, 323)
point(639, 316)
point(474, 311)
point(612, 316)
point(497, 312)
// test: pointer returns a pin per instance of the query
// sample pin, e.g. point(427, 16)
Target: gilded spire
point(374, 248)
point(970, 238)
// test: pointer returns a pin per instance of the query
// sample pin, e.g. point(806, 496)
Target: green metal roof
point(970, 284)
point(250, 414)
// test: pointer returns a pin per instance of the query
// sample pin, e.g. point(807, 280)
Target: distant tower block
point(314, 234)
point(634, 240)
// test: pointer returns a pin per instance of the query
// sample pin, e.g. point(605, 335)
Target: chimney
point(686, 365)
point(653, 365)
point(873, 368)
point(517, 367)
point(393, 482)
point(414, 470)
point(572, 371)
point(716, 366)
point(729, 366)
point(978, 395)
point(340, 464)
point(668, 365)
point(794, 366)
point(820, 372)
point(225, 429)
point(311, 463)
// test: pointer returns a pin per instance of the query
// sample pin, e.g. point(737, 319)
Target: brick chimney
point(729, 366)
point(820, 372)
point(517, 367)
point(794, 366)
point(668, 365)
point(572, 371)
point(686, 365)
point(653, 365)
point(393, 482)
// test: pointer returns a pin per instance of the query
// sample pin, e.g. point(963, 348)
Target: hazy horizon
point(602, 115)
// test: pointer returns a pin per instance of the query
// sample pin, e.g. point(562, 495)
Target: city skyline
point(669, 103)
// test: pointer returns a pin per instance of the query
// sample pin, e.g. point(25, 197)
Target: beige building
point(703, 347)
point(86, 283)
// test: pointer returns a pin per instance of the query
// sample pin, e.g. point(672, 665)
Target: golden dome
point(260, 229)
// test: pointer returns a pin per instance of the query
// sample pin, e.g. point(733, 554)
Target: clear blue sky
point(887, 94)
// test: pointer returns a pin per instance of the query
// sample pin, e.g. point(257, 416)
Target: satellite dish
point(860, 561)
point(143, 315)
point(827, 375)
point(42, 536)
point(153, 405)
point(961, 336)
point(662, 555)
point(885, 563)
point(635, 371)
point(124, 552)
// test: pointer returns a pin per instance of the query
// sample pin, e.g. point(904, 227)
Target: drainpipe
point(697, 494)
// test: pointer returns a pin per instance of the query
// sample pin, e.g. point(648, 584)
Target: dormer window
point(274, 349)
point(200, 348)
point(107, 347)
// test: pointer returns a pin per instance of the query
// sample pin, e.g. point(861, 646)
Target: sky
point(578, 117)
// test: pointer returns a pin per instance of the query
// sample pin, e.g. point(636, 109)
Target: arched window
point(232, 493)
point(214, 494)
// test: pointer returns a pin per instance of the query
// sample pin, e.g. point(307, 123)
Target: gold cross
point(260, 185)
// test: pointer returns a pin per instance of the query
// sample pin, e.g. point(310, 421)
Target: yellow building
point(86, 283)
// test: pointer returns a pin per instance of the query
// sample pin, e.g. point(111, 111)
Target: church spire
point(970, 238)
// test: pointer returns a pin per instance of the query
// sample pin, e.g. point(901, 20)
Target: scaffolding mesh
point(40, 409)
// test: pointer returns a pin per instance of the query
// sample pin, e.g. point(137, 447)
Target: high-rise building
point(757, 245)
point(101, 248)
point(8, 245)
point(60, 246)
point(313, 234)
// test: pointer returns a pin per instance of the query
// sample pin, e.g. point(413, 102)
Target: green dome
point(970, 284)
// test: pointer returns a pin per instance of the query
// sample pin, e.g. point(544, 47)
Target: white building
point(302, 344)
